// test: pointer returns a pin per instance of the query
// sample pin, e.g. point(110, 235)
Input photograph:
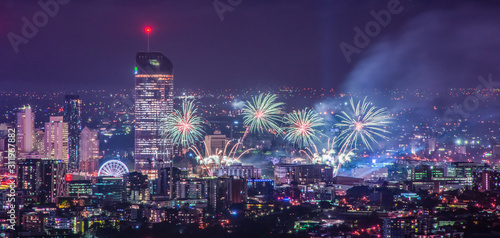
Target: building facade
point(215, 143)
point(109, 189)
point(25, 130)
point(56, 139)
point(89, 151)
point(487, 180)
point(239, 170)
point(137, 187)
point(154, 95)
point(43, 179)
point(302, 174)
point(73, 116)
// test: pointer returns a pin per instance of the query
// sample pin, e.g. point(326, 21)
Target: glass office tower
point(154, 98)
point(73, 116)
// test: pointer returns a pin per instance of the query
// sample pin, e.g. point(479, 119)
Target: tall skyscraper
point(53, 179)
point(166, 178)
point(42, 178)
point(25, 129)
point(109, 189)
point(4, 131)
point(38, 141)
point(89, 151)
point(73, 116)
point(28, 176)
point(154, 98)
point(56, 139)
point(136, 187)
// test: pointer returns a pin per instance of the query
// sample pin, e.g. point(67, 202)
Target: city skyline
point(289, 119)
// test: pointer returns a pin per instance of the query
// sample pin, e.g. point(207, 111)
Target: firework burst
point(262, 113)
point(301, 127)
point(363, 122)
point(328, 156)
point(210, 161)
point(184, 126)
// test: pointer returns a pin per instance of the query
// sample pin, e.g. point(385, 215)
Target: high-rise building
point(238, 191)
point(166, 180)
point(302, 174)
point(222, 192)
point(426, 173)
point(4, 131)
point(28, 177)
point(89, 151)
point(154, 95)
point(4, 158)
point(56, 139)
point(52, 177)
point(73, 116)
point(79, 188)
point(25, 130)
point(465, 170)
point(44, 179)
point(185, 216)
point(399, 227)
point(38, 141)
point(215, 143)
point(487, 180)
point(109, 189)
point(192, 188)
point(137, 187)
point(263, 188)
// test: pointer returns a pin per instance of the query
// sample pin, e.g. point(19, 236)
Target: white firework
point(221, 158)
point(329, 156)
point(363, 122)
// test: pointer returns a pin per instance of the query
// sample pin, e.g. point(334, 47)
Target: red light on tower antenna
point(148, 31)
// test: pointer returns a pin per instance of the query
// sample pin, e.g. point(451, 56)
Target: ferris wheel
point(113, 168)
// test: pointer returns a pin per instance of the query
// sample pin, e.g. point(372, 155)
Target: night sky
point(92, 44)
